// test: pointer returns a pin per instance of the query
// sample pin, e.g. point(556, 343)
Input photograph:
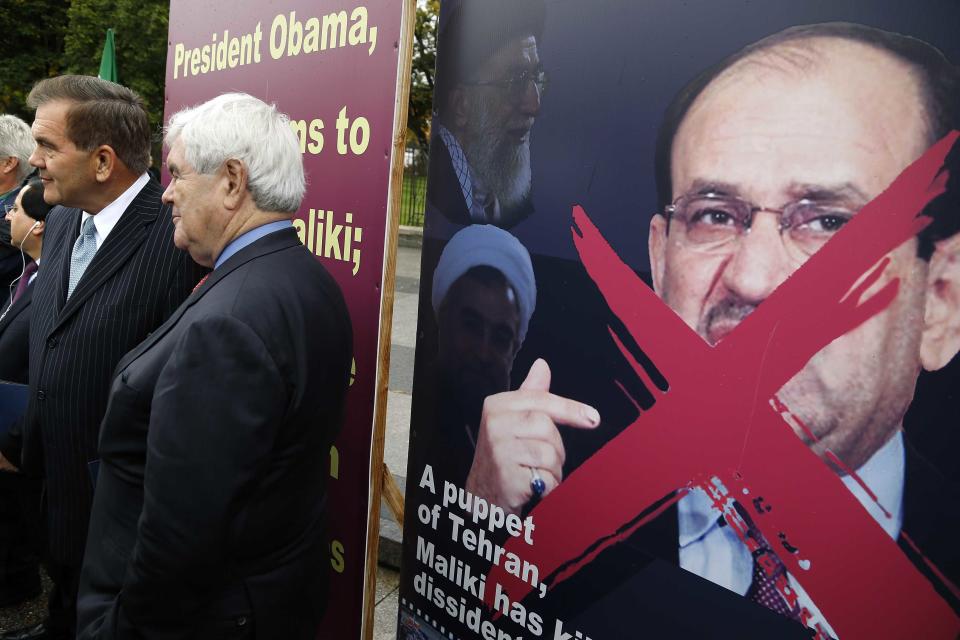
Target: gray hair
point(240, 127)
point(16, 140)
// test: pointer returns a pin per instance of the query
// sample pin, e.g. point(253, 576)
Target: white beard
point(502, 166)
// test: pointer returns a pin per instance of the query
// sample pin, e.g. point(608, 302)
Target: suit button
point(242, 621)
point(41, 395)
point(52, 342)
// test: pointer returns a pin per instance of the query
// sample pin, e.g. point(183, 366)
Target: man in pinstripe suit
point(111, 274)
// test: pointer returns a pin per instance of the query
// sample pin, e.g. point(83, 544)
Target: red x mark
point(735, 429)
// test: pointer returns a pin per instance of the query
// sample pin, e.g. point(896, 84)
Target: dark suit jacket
point(10, 258)
point(208, 519)
point(134, 282)
point(15, 339)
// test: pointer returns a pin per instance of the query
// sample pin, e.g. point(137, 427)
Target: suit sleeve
point(215, 411)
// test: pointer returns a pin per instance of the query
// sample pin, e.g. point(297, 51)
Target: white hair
point(241, 127)
point(16, 140)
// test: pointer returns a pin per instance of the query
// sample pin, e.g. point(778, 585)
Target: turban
point(490, 246)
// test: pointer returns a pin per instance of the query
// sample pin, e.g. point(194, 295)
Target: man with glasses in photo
point(760, 161)
point(489, 85)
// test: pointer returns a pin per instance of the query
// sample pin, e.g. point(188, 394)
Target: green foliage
point(33, 32)
point(141, 45)
point(44, 38)
point(421, 81)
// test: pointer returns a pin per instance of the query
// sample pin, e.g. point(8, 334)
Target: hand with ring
point(520, 453)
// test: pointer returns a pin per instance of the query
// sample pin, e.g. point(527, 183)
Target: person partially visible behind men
point(489, 85)
point(110, 276)
point(16, 145)
point(27, 218)
point(209, 516)
point(20, 494)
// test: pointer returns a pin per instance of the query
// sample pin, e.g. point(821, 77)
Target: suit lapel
point(125, 238)
point(271, 243)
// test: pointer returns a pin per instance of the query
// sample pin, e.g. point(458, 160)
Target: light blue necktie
point(83, 251)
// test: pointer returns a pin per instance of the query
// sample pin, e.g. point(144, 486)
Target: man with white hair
point(16, 145)
point(208, 521)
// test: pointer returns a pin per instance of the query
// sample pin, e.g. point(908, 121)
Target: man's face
point(839, 130)
point(68, 173)
point(478, 338)
point(20, 223)
point(495, 118)
point(198, 221)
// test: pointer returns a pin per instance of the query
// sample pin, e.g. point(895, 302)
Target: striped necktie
point(83, 251)
point(768, 570)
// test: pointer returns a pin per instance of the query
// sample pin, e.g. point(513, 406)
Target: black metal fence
point(413, 197)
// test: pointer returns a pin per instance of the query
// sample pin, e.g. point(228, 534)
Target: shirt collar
point(883, 473)
point(106, 219)
point(249, 238)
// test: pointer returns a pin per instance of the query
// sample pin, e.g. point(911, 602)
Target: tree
point(45, 38)
point(33, 33)
point(421, 81)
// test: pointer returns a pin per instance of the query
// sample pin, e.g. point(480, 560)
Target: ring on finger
point(537, 485)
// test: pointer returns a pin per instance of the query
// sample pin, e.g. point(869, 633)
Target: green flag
point(108, 61)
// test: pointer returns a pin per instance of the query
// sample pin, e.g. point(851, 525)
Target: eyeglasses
point(516, 85)
point(711, 222)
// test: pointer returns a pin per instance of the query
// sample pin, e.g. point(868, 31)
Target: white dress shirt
point(107, 218)
point(717, 554)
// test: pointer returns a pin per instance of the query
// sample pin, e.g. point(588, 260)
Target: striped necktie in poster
point(767, 570)
point(83, 251)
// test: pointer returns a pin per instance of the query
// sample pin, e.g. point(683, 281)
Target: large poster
point(333, 68)
point(689, 322)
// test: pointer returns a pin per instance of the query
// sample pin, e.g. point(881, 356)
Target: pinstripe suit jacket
point(134, 282)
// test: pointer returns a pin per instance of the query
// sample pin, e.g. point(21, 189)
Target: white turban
point(487, 245)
